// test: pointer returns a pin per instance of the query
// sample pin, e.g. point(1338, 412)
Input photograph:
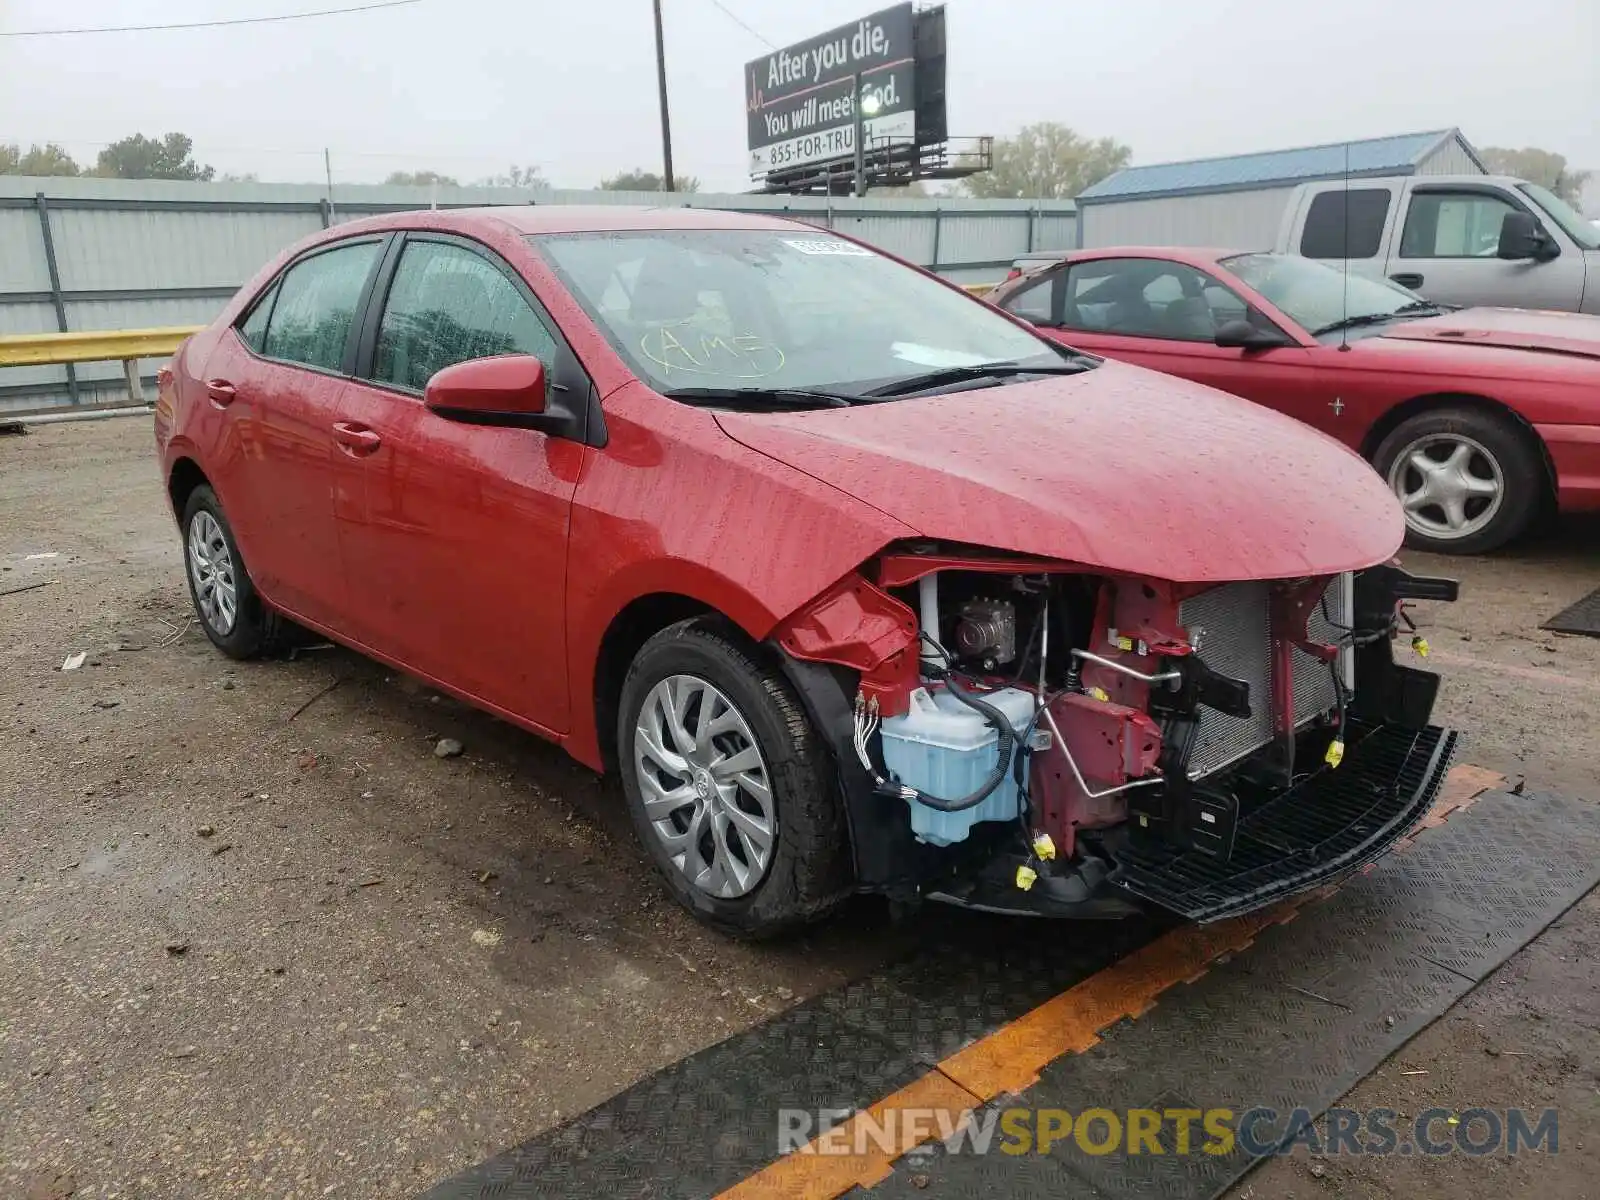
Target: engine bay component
point(857, 625)
point(1097, 751)
point(943, 747)
point(986, 632)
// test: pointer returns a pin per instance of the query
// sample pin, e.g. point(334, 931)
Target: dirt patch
point(253, 944)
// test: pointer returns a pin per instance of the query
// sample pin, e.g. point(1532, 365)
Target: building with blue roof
point(1227, 201)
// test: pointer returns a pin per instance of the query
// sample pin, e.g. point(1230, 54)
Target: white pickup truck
point(1459, 239)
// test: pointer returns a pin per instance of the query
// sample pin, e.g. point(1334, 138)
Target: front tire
point(728, 784)
point(225, 600)
point(1469, 481)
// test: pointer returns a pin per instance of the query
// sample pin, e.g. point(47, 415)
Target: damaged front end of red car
point(1037, 737)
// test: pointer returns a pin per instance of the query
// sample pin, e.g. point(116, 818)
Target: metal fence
point(89, 254)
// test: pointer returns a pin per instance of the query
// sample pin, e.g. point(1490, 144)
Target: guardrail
point(126, 346)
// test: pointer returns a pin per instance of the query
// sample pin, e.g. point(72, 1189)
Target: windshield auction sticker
point(827, 246)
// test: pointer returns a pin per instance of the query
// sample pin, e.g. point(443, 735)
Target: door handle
point(1408, 279)
point(221, 392)
point(356, 439)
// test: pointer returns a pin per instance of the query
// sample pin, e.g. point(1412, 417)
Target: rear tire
point(755, 851)
point(1469, 481)
point(225, 600)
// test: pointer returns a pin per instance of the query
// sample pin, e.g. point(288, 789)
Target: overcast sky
point(468, 87)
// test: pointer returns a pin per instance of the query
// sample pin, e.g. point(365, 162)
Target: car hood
point(1507, 328)
point(1118, 468)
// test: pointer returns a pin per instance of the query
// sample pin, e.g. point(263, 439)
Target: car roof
point(575, 218)
point(1192, 254)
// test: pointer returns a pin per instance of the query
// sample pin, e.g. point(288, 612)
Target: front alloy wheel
point(1449, 484)
point(705, 786)
point(1468, 479)
point(730, 788)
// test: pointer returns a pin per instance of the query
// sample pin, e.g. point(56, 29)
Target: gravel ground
point(258, 939)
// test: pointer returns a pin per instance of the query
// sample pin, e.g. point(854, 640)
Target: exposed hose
point(867, 724)
point(1005, 749)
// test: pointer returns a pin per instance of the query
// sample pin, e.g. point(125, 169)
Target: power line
point(734, 17)
point(300, 16)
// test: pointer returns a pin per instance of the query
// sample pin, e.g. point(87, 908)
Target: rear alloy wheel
point(1468, 481)
point(727, 783)
point(224, 598)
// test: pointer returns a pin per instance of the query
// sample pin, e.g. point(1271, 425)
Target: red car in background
point(857, 582)
point(1478, 419)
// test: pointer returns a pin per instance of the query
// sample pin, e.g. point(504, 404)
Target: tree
point(515, 177)
point(639, 180)
point(139, 157)
point(1046, 161)
point(1537, 166)
point(421, 179)
point(241, 177)
point(49, 159)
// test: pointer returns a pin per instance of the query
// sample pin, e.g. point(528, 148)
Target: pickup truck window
point(1453, 224)
point(1559, 211)
point(1356, 213)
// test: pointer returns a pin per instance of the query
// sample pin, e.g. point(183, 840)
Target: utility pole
point(667, 184)
point(860, 140)
point(327, 168)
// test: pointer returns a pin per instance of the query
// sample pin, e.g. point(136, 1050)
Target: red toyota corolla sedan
point(857, 582)
point(1478, 419)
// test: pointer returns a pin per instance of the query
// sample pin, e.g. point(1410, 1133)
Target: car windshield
point(780, 311)
point(1318, 296)
point(1559, 211)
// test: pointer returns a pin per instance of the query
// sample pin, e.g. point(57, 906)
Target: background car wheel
point(225, 601)
point(728, 785)
point(1468, 480)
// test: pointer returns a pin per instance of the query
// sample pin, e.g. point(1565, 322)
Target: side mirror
point(1239, 334)
point(506, 390)
point(1521, 236)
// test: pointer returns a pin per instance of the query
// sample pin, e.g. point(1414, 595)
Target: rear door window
point(253, 329)
point(1144, 297)
point(316, 305)
point(1354, 215)
point(448, 304)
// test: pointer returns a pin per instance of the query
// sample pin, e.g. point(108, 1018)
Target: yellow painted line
point(45, 349)
point(1009, 1060)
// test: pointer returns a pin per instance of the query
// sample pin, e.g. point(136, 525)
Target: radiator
point(1233, 623)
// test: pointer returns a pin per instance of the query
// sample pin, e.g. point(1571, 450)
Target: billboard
point(800, 102)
